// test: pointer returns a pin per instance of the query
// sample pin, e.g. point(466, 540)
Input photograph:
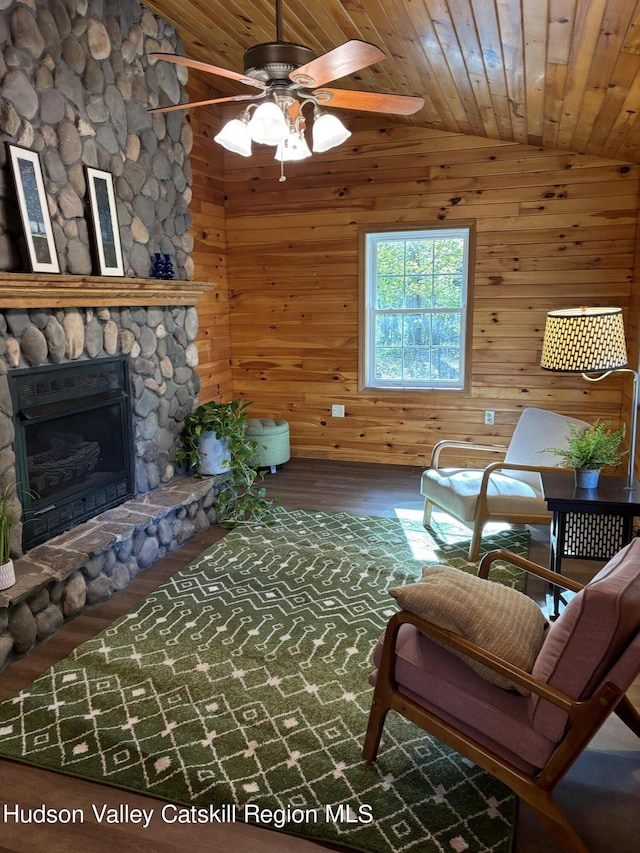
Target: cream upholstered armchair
point(507, 490)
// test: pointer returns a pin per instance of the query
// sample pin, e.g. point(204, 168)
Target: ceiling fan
point(288, 77)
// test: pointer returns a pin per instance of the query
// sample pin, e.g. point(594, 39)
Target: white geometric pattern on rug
point(243, 679)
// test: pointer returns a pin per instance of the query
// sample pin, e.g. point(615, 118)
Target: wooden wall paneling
point(552, 230)
point(633, 345)
point(210, 252)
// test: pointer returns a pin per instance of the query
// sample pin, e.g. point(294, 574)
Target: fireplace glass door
point(73, 443)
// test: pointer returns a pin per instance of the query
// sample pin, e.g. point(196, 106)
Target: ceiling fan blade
point(204, 103)
point(376, 102)
point(342, 60)
point(210, 69)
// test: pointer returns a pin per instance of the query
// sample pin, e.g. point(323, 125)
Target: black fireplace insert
point(73, 443)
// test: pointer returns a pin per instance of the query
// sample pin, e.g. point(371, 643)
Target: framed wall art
point(104, 216)
point(34, 211)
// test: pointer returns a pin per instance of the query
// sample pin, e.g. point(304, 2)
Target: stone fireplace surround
point(56, 580)
point(77, 81)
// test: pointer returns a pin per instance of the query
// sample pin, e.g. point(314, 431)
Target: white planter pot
point(215, 454)
point(7, 575)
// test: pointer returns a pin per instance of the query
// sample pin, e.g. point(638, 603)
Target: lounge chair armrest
point(488, 659)
point(462, 445)
point(509, 466)
point(514, 466)
point(528, 566)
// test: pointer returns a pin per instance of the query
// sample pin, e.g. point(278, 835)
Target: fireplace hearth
point(73, 443)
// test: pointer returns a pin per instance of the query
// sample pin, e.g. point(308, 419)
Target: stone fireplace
point(73, 352)
point(77, 81)
point(157, 346)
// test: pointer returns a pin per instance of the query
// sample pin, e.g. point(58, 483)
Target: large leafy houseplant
point(240, 498)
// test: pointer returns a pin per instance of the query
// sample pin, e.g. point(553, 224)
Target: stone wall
point(76, 84)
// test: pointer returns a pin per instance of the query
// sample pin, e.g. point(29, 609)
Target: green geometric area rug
point(238, 691)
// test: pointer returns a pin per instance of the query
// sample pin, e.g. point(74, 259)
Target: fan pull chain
point(282, 177)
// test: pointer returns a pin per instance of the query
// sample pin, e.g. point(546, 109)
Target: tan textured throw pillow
point(495, 617)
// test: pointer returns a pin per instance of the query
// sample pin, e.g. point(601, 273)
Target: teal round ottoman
point(272, 435)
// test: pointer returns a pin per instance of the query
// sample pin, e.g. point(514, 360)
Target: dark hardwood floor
point(601, 794)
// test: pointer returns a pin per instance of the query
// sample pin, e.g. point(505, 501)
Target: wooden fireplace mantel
point(38, 290)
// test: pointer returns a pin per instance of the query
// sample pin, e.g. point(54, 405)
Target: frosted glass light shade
point(328, 131)
point(584, 340)
point(268, 124)
point(294, 147)
point(235, 137)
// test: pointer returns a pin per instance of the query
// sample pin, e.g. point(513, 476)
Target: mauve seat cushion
point(591, 632)
point(445, 684)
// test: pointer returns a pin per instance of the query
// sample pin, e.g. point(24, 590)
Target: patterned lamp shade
point(584, 340)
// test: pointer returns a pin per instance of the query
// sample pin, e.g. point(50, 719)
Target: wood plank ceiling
point(561, 74)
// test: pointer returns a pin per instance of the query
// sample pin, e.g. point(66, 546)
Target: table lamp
point(591, 340)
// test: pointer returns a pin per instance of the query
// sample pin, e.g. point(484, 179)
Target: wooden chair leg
point(628, 714)
point(549, 813)
point(474, 545)
point(377, 716)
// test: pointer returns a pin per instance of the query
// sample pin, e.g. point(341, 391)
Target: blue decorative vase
point(169, 272)
point(157, 270)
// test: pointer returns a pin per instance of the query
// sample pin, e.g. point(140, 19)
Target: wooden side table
point(588, 524)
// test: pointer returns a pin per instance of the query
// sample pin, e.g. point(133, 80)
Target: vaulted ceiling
point(561, 74)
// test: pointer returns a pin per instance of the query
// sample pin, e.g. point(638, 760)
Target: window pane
point(417, 330)
point(419, 256)
point(447, 291)
point(418, 292)
point(446, 330)
point(389, 292)
point(448, 256)
point(446, 363)
point(417, 365)
point(390, 256)
point(416, 304)
point(388, 363)
point(388, 330)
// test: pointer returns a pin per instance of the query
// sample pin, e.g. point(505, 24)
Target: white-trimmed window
point(414, 313)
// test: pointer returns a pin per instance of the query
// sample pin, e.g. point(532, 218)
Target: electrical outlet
point(337, 411)
point(489, 417)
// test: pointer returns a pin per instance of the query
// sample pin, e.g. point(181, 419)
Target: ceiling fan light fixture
point(282, 71)
point(235, 136)
point(328, 131)
point(268, 124)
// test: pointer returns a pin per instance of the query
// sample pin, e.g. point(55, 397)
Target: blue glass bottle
point(157, 271)
point(169, 272)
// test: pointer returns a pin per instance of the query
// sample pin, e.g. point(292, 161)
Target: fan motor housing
point(275, 60)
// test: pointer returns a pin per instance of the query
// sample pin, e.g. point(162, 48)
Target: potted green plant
point(590, 449)
point(8, 518)
point(214, 441)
